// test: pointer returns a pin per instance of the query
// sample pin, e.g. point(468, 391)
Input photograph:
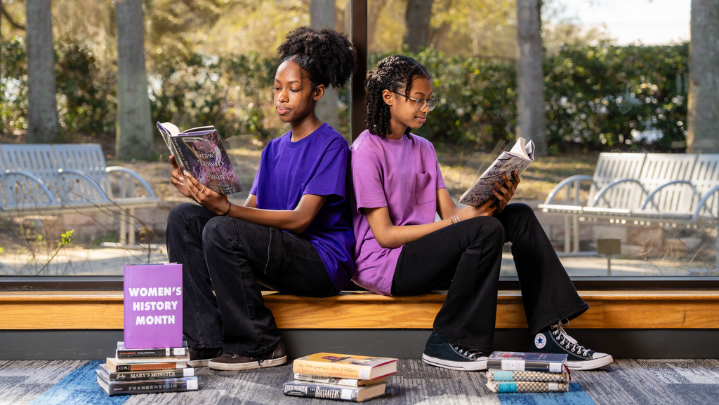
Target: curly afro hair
point(326, 56)
point(391, 73)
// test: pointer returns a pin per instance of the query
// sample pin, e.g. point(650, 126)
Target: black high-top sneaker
point(438, 352)
point(556, 340)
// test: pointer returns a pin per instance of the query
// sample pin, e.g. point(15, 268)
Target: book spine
point(328, 380)
point(331, 370)
point(522, 365)
point(320, 391)
point(498, 375)
point(169, 352)
point(527, 386)
point(146, 387)
point(148, 366)
point(152, 375)
point(181, 159)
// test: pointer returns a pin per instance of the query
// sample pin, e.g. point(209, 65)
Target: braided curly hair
point(326, 56)
point(391, 73)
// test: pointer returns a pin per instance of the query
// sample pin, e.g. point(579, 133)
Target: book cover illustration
point(345, 366)
point(153, 306)
point(518, 158)
point(201, 152)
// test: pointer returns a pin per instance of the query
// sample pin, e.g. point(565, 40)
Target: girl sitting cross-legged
point(400, 250)
point(293, 233)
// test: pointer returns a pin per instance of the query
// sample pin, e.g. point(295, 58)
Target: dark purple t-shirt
point(316, 164)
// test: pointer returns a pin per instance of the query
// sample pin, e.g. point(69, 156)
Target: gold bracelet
point(228, 209)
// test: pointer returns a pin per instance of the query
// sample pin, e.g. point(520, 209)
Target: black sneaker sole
point(246, 366)
point(590, 364)
point(456, 365)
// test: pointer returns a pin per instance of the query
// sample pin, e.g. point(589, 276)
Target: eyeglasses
point(430, 103)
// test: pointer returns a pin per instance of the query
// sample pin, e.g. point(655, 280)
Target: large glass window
point(615, 78)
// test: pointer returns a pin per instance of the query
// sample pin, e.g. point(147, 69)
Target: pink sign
point(153, 306)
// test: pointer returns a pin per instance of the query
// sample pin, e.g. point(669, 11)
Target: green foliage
point(598, 96)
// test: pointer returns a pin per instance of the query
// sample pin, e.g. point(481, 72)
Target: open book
point(200, 151)
point(521, 155)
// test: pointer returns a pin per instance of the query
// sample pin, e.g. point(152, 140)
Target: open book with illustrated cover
point(200, 151)
point(518, 158)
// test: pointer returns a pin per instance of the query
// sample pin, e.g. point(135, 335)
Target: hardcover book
point(153, 306)
point(351, 382)
point(314, 390)
point(110, 375)
point(147, 386)
point(201, 152)
point(521, 361)
point(499, 375)
point(518, 158)
point(123, 352)
point(113, 365)
point(345, 366)
point(526, 386)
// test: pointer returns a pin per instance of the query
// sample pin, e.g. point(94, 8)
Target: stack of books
point(143, 371)
point(340, 376)
point(527, 372)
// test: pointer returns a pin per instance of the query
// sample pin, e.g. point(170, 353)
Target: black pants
point(233, 257)
point(467, 256)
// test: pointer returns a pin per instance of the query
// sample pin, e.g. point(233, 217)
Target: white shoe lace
point(568, 341)
point(471, 354)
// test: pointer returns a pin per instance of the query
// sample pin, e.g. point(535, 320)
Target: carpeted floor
point(624, 382)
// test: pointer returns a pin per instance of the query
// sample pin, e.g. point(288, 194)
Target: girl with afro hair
point(401, 250)
point(293, 234)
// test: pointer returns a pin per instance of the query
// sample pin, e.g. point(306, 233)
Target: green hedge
point(596, 96)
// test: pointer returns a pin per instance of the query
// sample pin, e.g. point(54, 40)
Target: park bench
point(44, 179)
point(669, 190)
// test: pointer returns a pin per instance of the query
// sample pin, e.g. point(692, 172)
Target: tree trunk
point(322, 15)
point(703, 119)
point(531, 120)
point(416, 18)
point(42, 105)
point(134, 130)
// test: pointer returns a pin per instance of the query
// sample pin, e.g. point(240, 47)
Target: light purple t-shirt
point(402, 175)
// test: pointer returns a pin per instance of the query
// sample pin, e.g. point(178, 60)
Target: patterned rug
point(624, 382)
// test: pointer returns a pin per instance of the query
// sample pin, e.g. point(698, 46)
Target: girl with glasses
point(293, 234)
point(401, 250)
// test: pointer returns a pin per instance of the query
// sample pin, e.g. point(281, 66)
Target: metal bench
point(46, 179)
point(610, 167)
point(672, 189)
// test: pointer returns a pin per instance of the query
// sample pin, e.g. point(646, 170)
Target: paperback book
point(201, 152)
point(147, 386)
point(113, 364)
point(518, 158)
point(521, 361)
point(351, 382)
point(538, 376)
point(345, 366)
point(110, 375)
point(122, 352)
point(526, 386)
point(326, 391)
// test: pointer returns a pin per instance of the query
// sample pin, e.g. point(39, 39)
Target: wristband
point(228, 209)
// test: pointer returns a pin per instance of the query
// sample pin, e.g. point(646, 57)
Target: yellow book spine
point(328, 369)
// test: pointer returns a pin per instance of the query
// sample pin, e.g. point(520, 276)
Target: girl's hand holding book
point(178, 179)
point(505, 192)
point(215, 202)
